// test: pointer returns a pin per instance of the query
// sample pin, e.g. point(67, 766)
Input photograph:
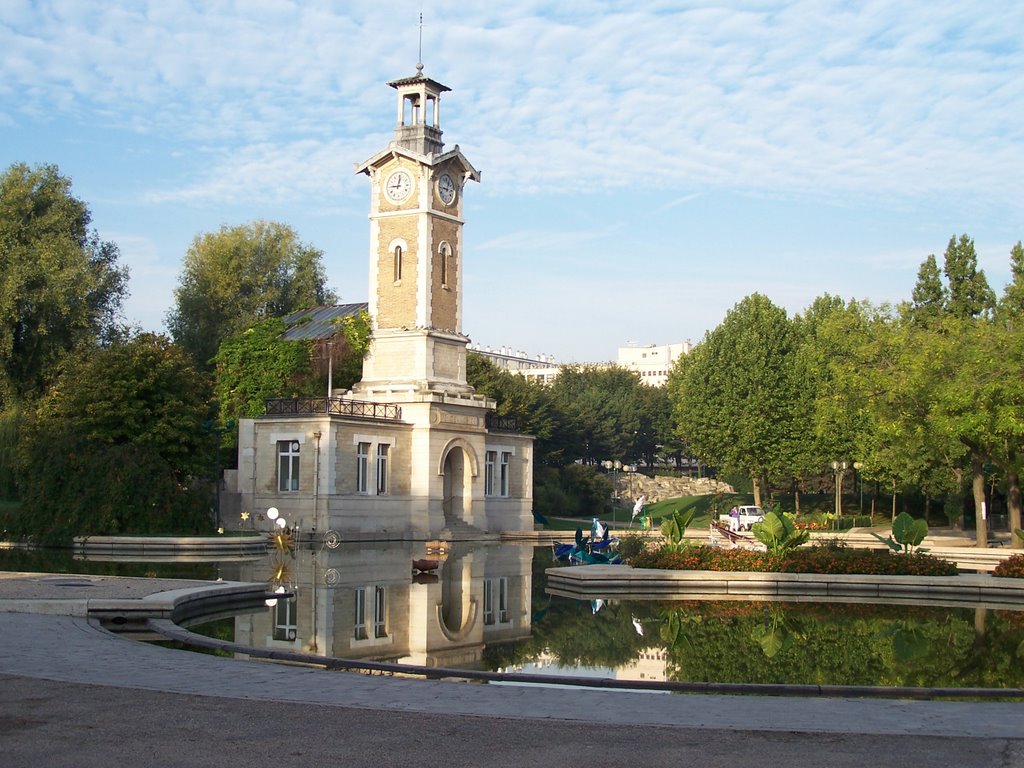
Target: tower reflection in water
point(368, 601)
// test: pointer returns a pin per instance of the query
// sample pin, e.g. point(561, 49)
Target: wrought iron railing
point(502, 423)
point(333, 406)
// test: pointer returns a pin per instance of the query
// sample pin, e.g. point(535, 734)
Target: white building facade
point(653, 362)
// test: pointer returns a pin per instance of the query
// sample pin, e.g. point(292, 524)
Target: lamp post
point(857, 467)
point(838, 470)
point(613, 467)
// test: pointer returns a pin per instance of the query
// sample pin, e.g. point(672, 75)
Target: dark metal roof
point(319, 322)
point(418, 78)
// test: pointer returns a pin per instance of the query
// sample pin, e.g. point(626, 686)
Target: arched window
point(398, 263)
point(444, 254)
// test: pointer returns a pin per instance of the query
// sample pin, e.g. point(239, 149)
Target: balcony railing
point(333, 406)
point(502, 423)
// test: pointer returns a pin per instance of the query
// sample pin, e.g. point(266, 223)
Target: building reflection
point(369, 602)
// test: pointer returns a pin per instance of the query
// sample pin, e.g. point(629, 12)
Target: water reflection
point(484, 607)
point(368, 601)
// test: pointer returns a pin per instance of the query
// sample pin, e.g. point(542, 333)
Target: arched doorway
point(458, 467)
point(454, 482)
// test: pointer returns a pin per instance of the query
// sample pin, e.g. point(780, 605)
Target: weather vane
point(419, 63)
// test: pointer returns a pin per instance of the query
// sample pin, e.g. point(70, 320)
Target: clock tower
point(416, 253)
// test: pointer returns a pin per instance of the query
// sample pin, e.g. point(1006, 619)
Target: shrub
point(630, 547)
point(1012, 567)
point(809, 560)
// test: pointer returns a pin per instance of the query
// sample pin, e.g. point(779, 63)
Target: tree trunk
point(893, 499)
point(1013, 503)
point(756, 481)
point(796, 498)
point(978, 488)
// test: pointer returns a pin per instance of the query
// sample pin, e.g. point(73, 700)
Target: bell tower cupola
point(419, 113)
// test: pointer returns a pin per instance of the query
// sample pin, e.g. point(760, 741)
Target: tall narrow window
point(398, 263)
point(503, 600)
point(488, 601)
point(287, 465)
point(506, 457)
point(359, 619)
point(285, 622)
point(362, 467)
point(490, 458)
point(380, 611)
point(444, 256)
point(382, 468)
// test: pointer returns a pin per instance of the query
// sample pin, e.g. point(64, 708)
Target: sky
point(645, 165)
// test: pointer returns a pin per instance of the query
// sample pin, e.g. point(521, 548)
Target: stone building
point(411, 451)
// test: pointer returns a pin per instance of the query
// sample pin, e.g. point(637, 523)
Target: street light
point(838, 470)
point(613, 467)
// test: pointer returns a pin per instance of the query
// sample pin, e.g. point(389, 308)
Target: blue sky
point(645, 165)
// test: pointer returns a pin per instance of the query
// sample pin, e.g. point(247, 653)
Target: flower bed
point(1012, 567)
point(806, 560)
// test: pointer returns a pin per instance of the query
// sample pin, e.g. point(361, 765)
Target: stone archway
point(458, 467)
point(454, 471)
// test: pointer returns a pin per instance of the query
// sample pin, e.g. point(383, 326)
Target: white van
point(748, 515)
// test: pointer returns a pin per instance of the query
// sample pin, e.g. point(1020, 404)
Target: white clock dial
point(398, 186)
point(446, 189)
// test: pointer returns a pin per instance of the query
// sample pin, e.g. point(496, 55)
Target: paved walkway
point(72, 693)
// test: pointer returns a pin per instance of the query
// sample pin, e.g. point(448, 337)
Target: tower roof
point(419, 79)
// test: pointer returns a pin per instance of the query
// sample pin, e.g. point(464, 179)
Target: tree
point(1011, 305)
point(240, 275)
point(529, 402)
point(118, 445)
point(733, 397)
point(929, 295)
point(969, 294)
point(602, 416)
point(60, 286)
point(258, 364)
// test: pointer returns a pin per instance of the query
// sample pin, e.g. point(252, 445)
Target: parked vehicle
point(744, 518)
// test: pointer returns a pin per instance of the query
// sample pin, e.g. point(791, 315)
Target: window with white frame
point(359, 619)
point(503, 600)
point(382, 468)
point(380, 611)
point(503, 486)
point(362, 467)
point(490, 459)
point(496, 605)
point(287, 465)
point(488, 602)
point(285, 622)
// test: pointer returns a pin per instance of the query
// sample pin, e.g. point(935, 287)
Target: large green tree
point(734, 397)
point(61, 287)
point(240, 275)
point(968, 291)
point(119, 444)
point(258, 364)
point(602, 412)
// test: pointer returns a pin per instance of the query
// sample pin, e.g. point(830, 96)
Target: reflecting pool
point(484, 607)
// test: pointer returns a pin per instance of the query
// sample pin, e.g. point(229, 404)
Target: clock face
point(398, 186)
point(446, 189)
